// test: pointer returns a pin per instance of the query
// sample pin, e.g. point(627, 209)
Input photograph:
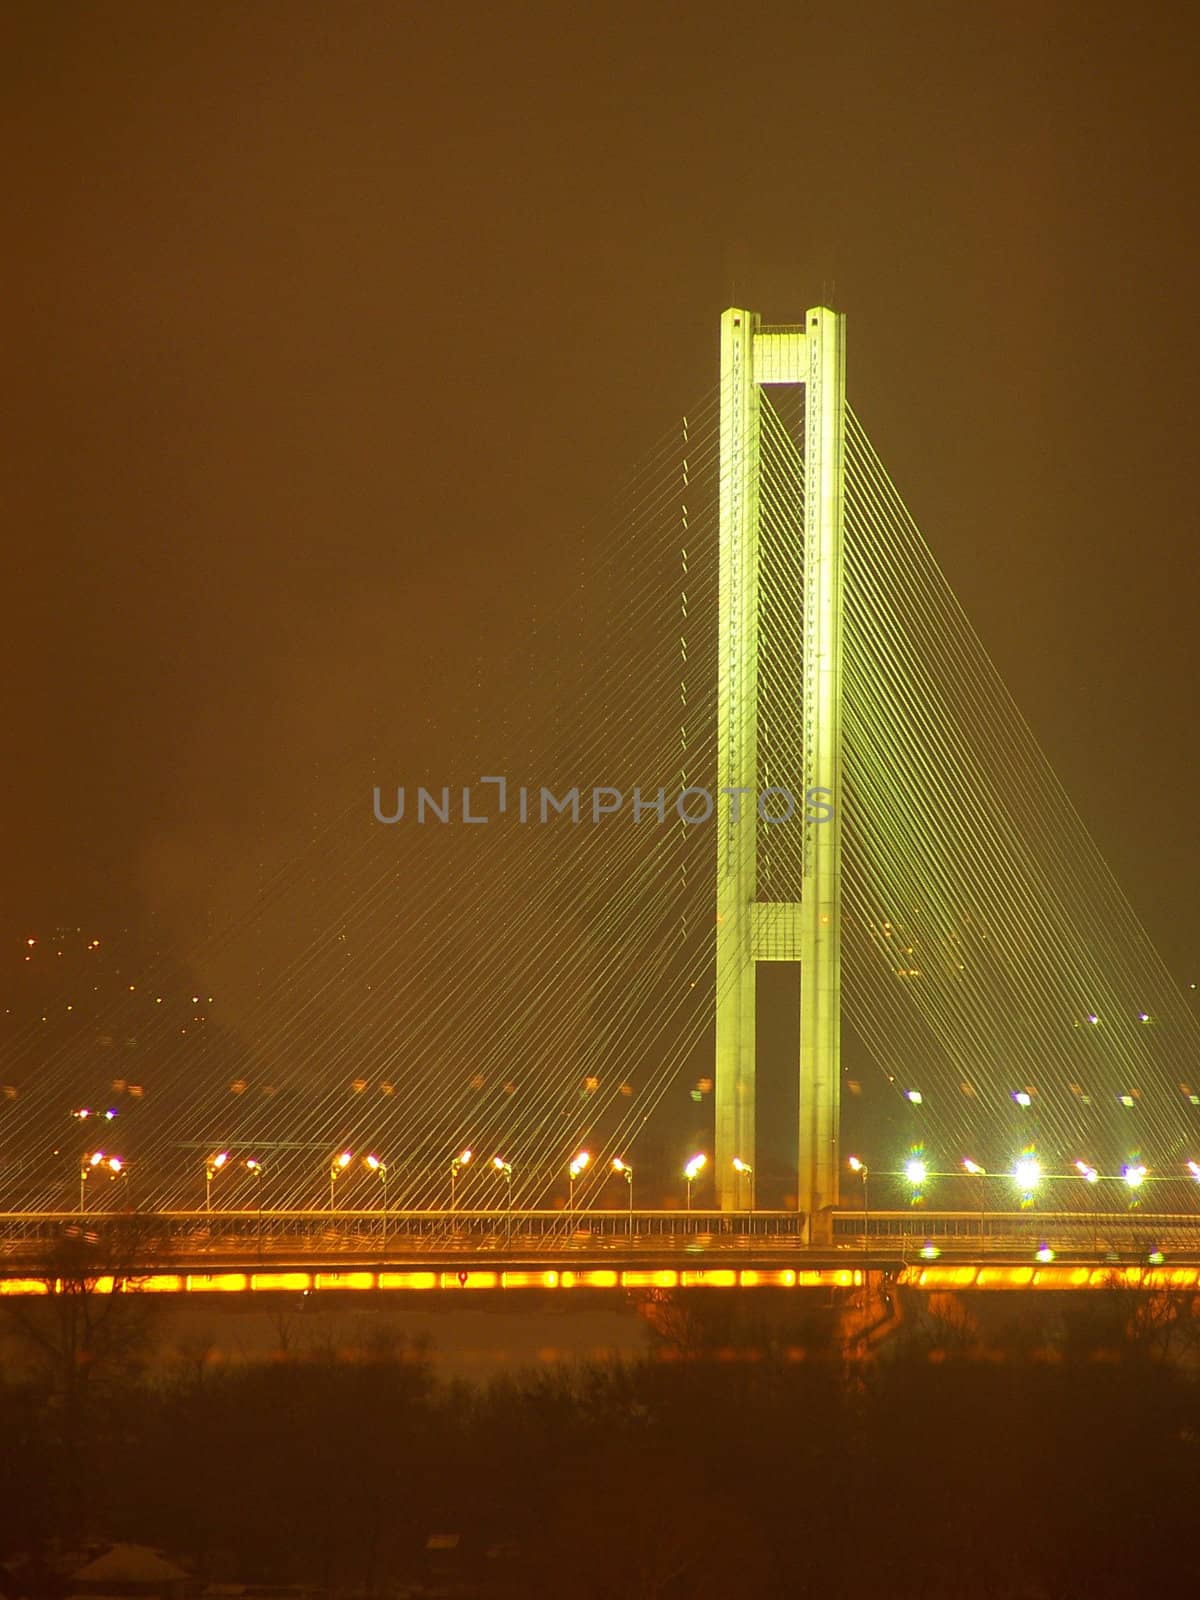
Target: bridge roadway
point(196, 1251)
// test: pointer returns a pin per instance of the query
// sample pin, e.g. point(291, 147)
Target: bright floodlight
point(579, 1162)
point(973, 1168)
point(1027, 1174)
point(740, 1166)
point(1088, 1174)
point(217, 1162)
point(916, 1172)
point(694, 1166)
point(1134, 1176)
point(340, 1163)
point(504, 1168)
point(856, 1165)
point(622, 1166)
point(115, 1163)
point(374, 1163)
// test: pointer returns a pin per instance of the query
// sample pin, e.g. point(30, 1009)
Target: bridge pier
point(750, 929)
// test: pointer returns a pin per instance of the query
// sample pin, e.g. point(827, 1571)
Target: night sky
point(327, 327)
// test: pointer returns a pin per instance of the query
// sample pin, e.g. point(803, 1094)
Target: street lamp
point(456, 1166)
point(578, 1163)
point(1134, 1176)
point(916, 1171)
point(626, 1172)
point(744, 1170)
point(336, 1168)
point(374, 1164)
point(504, 1168)
point(89, 1164)
point(211, 1167)
point(1027, 1174)
point(691, 1172)
point(1092, 1178)
point(254, 1167)
point(863, 1173)
point(974, 1169)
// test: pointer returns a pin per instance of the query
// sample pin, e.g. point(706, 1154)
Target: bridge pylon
point(751, 928)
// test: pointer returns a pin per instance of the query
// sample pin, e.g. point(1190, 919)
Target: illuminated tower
point(750, 929)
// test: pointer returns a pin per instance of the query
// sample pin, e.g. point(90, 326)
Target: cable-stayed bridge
point(749, 856)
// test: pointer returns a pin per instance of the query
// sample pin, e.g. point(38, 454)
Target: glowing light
point(694, 1167)
point(252, 1165)
point(504, 1168)
point(1022, 1097)
point(374, 1164)
point(1027, 1173)
point(916, 1172)
point(622, 1167)
point(973, 1168)
point(856, 1165)
point(1134, 1175)
point(1194, 1168)
point(218, 1162)
point(1088, 1174)
point(340, 1163)
point(914, 1096)
point(740, 1166)
point(579, 1163)
point(1045, 1254)
point(929, 1251)
point(1093, 1018)
point(1155, 1258)
point(1143, 1016)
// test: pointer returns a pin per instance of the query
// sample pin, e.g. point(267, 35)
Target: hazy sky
point(326, 325)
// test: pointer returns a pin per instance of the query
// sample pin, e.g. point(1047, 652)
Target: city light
point(1044, 1253)
point(504, 1168)
point(914, 1096)
point(916, 1172)
point(856, 1165)
point(974, 1168)
point(1088, 1174)
point(374, 1164)
point(1022, 1097)
point(1027, 1174)
point(623, 1168)
point(1133, 1175)
point(740, 1166)
point(578, 1163)
point(1194, 1168)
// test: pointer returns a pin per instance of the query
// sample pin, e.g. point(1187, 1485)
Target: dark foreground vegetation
point(1038, 1456)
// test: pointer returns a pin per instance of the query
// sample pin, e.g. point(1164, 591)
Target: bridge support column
point(821, 680)
point(748, 931)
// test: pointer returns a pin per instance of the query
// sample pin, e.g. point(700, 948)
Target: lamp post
point(456, 1166)
point(744, 1170)
point(374, 1164)
point(577, 1165)
point(336, 1168)
point(626, 1172)
point(1092, 1178)
point(211, 1167)
point(254, 1167)
point(864, 1173)
point(504, 1168)
point(976, 1171)
point(691, 1172)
